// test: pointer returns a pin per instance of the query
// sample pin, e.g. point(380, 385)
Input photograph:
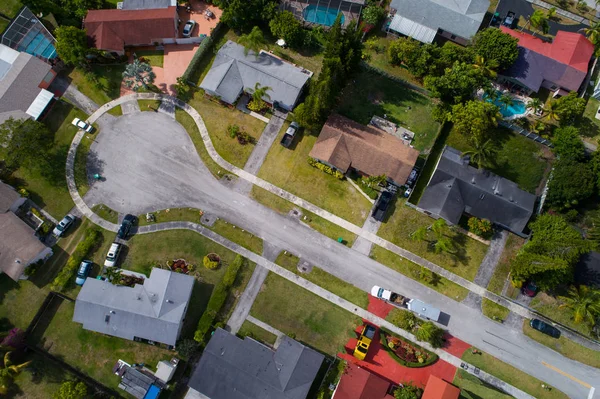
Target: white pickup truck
point(414, 305)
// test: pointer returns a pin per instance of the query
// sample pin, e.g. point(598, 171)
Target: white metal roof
point(39, 104)
point(412, 29)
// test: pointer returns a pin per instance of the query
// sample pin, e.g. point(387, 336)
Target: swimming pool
point(321, 15)
point(37, 44)
point(517, 107)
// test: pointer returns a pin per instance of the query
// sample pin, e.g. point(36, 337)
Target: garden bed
point(405, 352)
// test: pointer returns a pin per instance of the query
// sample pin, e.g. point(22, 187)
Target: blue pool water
point(35, 43)
point(516, 108)
point(321, 15)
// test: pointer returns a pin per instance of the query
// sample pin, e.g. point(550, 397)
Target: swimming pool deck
point(350, 10)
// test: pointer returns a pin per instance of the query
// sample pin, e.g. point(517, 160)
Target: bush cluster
point(91, 239)
point(423, 331)
point(211, 261)
point(430, 357)
point(327, 169)
point(481, 227)
point(217, 299)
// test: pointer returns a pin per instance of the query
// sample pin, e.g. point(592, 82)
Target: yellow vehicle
point(362, 347)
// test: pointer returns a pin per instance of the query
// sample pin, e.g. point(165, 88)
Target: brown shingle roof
point(18, 245)
point(114, 29)
point(344, 143)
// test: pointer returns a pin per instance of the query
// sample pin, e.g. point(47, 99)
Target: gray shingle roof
point(152, 311)
point(460, 17)
point(147, 4)
point(233, 72)
point(456, 187)
point(232, 368)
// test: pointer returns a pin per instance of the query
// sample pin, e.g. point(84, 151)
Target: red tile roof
point(568, 48)
point(437, 388)
point(114, 29)
point(358, 383)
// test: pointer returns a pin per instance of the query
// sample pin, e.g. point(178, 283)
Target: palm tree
point(551, 13)
point(538, 127)
point(535, 104)
point(538, 21)
point(593, 32)
point(506, 100)
point(550, 111)
point(8, 373)
point(439, 242)
point(584, 302)
point(258, 93)
point(481, 153)
point(487, 67)
point(491, 93)
point(252, 41)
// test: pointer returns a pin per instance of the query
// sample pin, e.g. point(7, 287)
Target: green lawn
point(513, 244)
point(493, 310)
point(370, 94)
point(40, 380)
point(50, 191)
point(155, 57)
point(379, 58)
point(518, 158)
point(20, 301)
point(80, 167)
point(217, 118)
point(310, 319)
point(328, 281)
point(513, 376)
point(109, 86)
point(564, 346)
point(149, 250)
point(239, 236)
point(10, 7)
point(418, 273)
point(472, 387)
point(190, 126)
point(321, 225)
point(405, 220)
point(253, 331)
point(549, 307)
point(106, 213)
point(172, 215)
point(288, 168)
point(149, 105)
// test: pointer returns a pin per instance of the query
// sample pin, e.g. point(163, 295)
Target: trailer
point(414, 305)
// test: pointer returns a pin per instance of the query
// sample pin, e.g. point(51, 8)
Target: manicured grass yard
point(155, 57)
point(288, 168)
point(328, 281)
point(173, 215)
point(41, 379)
point(510, 374)
point(311, 319)
point(321, 225)
point(252, 330)
point(19, 301)
point(518, 158)
point(52, 194)
point(10, 7)
point(370, 94)
point(237, 235)
point(564, 346)
point(217, 118)
point(412, 270)
point(589, 126)
point(109, 77)
point(493, 310)
point(106, 213)
point(405, 220)
point(149, 105)
point(473, 388)
point(549, 307)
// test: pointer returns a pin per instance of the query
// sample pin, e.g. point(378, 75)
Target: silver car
point(63, 225)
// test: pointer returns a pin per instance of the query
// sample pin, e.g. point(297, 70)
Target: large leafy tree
point(571, 183)
point(24, 143)
point(243, 15)
point(474, 119)
point(538, 21)
point(431, 333)
point(436, 237)
point(71, 390)
point(568, 143)
point(252, 41)
point(71, 44)
point(569, 108)
point(287, 27)
point(494, 45)
point(404, 50)
point(457, 84)
point(372, 14)
point(584, 302)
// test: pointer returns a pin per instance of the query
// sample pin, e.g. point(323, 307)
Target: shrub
point(481, 227)
point(91, 238)
point(23, 193)
point(233, 130)
point(217, 299)
point(427, 357)
point(327, 169)
point(203, 49)
point(430, 333)
point(404, 319)
point(211, 261)
point(187, 348)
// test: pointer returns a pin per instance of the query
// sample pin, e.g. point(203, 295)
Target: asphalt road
point(150, 163)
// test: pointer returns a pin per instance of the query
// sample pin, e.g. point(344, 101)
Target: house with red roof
point(358, 383)
point(560, 66)
point(437, 388)
point(113, 30)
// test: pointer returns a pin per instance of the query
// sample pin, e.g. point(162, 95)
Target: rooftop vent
point(153, 297)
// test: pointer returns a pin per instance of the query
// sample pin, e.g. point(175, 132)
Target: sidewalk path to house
point(80, 100)
point(268, 328)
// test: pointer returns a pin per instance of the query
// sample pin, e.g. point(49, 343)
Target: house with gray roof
point(234, 72)
point(152, 311)
point(145, 4)
point(456, 188)
point(234, 368)
point(423, 20)
point(23, 83)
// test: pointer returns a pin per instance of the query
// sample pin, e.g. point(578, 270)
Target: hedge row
point(203, 49)
point(432, 356)
point(217, 299)
point(327, 169)
point(91, 238)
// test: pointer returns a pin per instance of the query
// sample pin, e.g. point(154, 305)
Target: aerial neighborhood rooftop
point(300, 199)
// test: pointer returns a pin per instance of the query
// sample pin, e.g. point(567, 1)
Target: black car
point(382, 204)
point(545, 328)
point(126, 225)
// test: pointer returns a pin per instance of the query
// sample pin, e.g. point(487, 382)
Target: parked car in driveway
point(529, 289)
point(509, 20)
point(84, 270)
point(112, 255)
point(126, 225)
point(63, 225)
point(382, 204)
point(289, 135)
point(82, 125)
point(545, 328)
point(188, 28)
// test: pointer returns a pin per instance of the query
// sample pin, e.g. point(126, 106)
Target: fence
point(523, 132)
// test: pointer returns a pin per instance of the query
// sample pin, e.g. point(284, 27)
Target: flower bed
point(180, 266)
point(406, 352)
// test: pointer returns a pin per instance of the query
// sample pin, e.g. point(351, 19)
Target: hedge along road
point(470, 325)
